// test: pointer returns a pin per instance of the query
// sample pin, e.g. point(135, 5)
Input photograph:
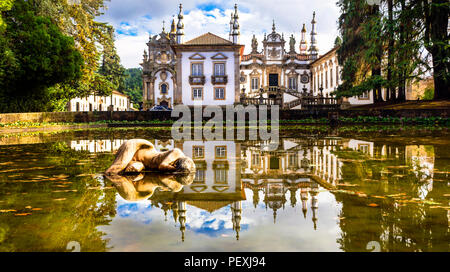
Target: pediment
point(198, 188)
point(255, 73)
point(220, 189)
point(219, 56)
point(197, 56)
point(293, 73)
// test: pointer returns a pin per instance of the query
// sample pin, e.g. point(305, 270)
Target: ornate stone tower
point(235, 34)
point(159, 70)
point(314, 51)
point(303, 42)
point(180, 26)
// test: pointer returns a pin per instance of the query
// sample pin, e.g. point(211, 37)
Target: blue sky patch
point(210, 7)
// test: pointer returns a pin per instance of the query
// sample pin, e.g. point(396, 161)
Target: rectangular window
point(219, 69)
point(221, 152)
point(292, 83)
point(197, 94)
point(198, 152)
point(293, 160)
point(331, 77)
point(219, 93)
point(255, 83)
point(256, 159)
point(220, 176)
point(364, 148)
point(337, 75)
point(199, 176)
point(197, 69)
point(365, 95)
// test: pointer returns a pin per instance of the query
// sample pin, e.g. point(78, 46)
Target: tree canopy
point(35, 56)
point(51, 51)
point(383, 46)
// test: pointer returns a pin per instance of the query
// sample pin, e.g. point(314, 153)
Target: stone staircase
point(293, 104)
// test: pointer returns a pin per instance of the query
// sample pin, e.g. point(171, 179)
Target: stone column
point(237, 91)
point(178, 90)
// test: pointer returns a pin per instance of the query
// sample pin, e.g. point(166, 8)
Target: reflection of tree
point(397, 226)
point(71, 211)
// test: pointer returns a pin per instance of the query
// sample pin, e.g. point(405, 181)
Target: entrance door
point(164, 103)
point(273, 80)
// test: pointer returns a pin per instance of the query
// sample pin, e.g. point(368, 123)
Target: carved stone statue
point(292, 44)
point(254, 45)
point(138, 155)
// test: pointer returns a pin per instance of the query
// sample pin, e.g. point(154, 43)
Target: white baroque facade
point(210, 70)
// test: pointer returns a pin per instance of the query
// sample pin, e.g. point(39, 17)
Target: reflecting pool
point(332, 192)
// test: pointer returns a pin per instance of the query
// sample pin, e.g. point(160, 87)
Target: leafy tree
point(77, 19)
point(384, 46)
point(111, 69)
point(5, 5)
point(35, 56)
point(436, 38)
point(134, 85)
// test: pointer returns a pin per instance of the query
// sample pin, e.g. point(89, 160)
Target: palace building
point(211, 70)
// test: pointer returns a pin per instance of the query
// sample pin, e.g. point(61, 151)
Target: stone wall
point(85, 117)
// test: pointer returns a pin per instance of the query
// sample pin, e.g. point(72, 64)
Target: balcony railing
point(197, 80)
point(219, 80)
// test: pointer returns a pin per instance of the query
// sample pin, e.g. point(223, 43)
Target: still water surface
point(315, 193)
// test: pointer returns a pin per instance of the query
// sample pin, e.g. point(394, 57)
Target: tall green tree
point(111, 69)
point(35, 56)
point(382, 47)
point(78, 20)
point(134, 85)
point(436, 38)
point(5, 5)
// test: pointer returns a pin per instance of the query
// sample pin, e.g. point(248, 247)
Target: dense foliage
point(392, 45)
point(133, 85)
point(35, 56)
point(50, 52)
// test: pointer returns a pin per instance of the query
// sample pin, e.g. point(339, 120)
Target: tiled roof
point(208, 39)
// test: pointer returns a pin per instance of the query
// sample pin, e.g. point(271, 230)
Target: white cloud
point(137, 19)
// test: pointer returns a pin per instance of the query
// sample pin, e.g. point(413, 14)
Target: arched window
point(164, 88)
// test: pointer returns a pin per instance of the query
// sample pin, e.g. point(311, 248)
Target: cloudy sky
point(135, 20)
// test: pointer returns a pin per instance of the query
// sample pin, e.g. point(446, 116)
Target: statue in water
point(137, 155)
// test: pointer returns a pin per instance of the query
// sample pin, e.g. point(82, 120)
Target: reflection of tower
point(275, 197)
point(293, 191)
point(165, 207)
point(236, 210)
point(175, 211)
point(182, 218)
point(314, 202)
point(304, 198)
point(255, 196)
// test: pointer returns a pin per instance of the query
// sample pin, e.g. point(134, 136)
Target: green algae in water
point(313, 193)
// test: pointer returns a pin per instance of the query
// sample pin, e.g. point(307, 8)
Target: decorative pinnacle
point(236, 15)
point(173, 27)
point(304, 28)
point(314, 18)
point(180, 14)
point(273, 26)
point(164, 26)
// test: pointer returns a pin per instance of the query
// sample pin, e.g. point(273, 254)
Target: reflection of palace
point(96, 146)
point(299, 166)
point(217, 182)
